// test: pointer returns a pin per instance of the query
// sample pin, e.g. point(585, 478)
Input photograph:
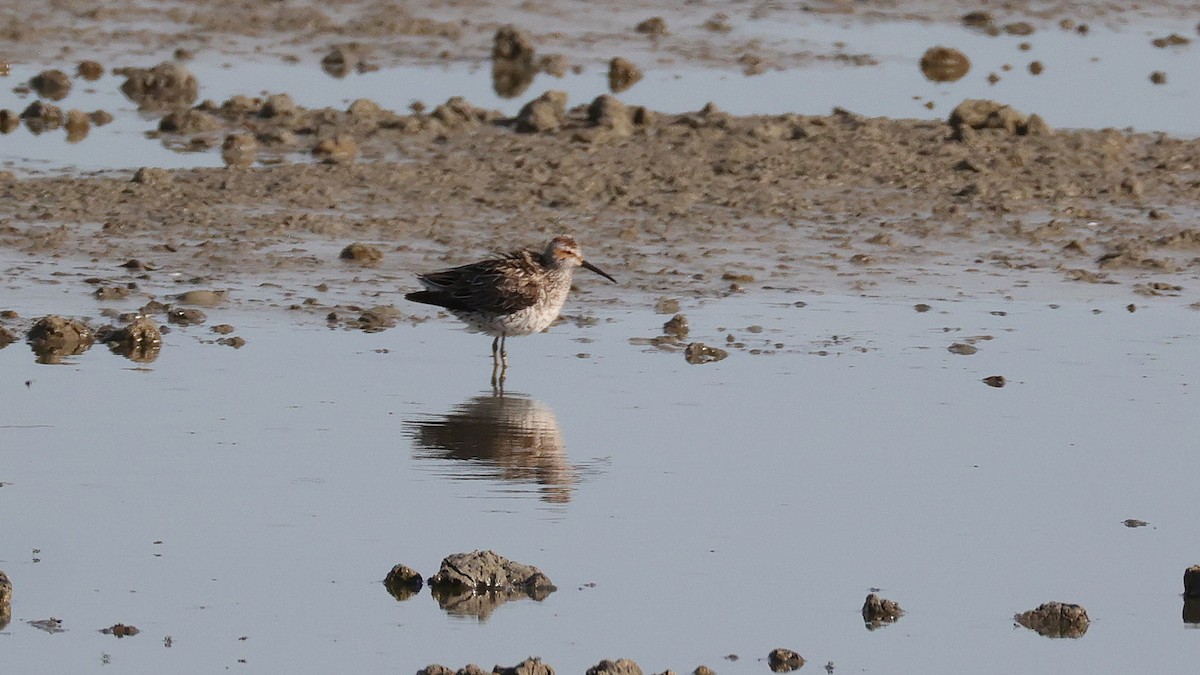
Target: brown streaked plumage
point(516, 293)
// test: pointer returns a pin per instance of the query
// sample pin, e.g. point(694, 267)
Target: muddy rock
point(457, 113)
point(120, 630)
point(339, 149)
point(606, 112)
point(39, 117)
point(151, 175)
point(944, 64)
point(361, 253)
point(475, 584)
point(1172, 40)
point(665, 305)
point(5, 600)
point(403, 582)
point(188, 121)
point(555, 65)
point(165, 86)
point(703, 670)
point(542, 114)
point(1055, 619)
point(878, 612)
point(343, 59)
point(1019, 28)
point(512, 44)
point(530, 666)
point(78, 125)
point(622, 74)
point(697, 353)
point(201, 297)
point(782, 660)
point(978, 19)
point(655, 26)
point(90, 70)
point(100, 117)
point(996, 381)
point(53, 337)
point(513, 66)
point(375, 319)
point(488, 571)
point(140, 341)
point(962, 349)
point(51, 84)
point(364, 107)
point(9, 121)
point(1158, 77)
point(185, 316)
point(6, 337)
point(676, 326)
point(985, 114)
point(239, 150)
point(1191, 581)
point(236, 342)
point(618, 667)
point(278, 105)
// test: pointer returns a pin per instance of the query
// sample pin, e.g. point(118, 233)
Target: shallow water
point(248, 502)
point(1101, 80)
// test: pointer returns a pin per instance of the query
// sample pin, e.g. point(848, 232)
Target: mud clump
point(697, 353)
point(343, 59)
point(403, 582)
point(54, 337)
point(40, 116)
point(6, 337)
point(90, 70)
point(676, 326)
point(140, 341)
point(530, 666)
point(5, 600)
point(201, 297)
point(9, 121)
point(339, 149)
point(51, 84)
point(188, 121)
point(513, 67)
point(152, 175)
point(78, 125)
point(488, 571)
point(1172, 40)
point(974, 114)
point(622, 74)
point(996, 381)
point(475, 584)
point(655, 26)
point(186, 316)
point(120, 630)
point(542, 114)
point(1055, 619)
point(361, 253)
point(618, 667)
point(782, 660)
point(167, 85)
point(878, 612)
point(944, 64)
point(239, 150)
point(962, 349)
point(1158, 77)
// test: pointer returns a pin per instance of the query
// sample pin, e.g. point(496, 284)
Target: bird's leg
point(495, 350)
point(504, 351)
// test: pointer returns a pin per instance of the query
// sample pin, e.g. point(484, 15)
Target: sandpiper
point(517, 293)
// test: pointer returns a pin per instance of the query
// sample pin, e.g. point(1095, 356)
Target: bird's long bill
point(589, 266)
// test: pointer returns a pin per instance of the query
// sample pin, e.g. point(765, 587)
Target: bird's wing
point(500, 285)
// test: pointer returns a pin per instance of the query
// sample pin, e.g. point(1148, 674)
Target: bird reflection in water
point(504, 435)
